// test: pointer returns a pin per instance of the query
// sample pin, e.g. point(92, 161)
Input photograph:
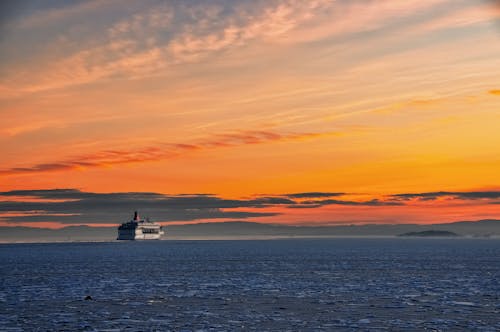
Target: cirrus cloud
point(161, 151)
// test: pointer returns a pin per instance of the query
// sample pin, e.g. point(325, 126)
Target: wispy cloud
point(160, 151)
point(147, 40)
point(151, 39)
point(314, 194)
point(470, 195)
point(462, 17)
point(43, 17)
point(324, 202)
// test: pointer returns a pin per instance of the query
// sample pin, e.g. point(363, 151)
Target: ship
point(138, 229)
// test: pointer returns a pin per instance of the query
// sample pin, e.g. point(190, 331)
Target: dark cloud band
point(455, 194)
point(73, 206)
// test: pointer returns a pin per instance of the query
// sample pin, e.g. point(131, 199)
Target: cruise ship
point(138, 229)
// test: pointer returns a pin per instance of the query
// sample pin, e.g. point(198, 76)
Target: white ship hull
point(137, 234)
point(137, 229)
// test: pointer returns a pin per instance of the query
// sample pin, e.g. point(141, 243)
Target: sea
point(336, 284)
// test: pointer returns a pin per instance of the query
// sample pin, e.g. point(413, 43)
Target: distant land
point(241, 230)
point(430, 233)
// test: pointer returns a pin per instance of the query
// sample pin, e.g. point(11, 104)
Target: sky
point(316, 112)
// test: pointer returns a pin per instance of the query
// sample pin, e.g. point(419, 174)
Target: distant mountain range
point(238, 229)
point(431, 233)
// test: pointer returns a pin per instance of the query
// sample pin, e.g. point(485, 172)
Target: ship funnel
point(136, 216)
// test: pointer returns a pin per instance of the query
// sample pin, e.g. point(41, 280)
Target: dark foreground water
point(280, 285)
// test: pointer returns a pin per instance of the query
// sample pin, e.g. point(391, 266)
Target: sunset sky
point(299, 112)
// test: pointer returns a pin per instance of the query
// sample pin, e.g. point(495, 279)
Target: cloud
point(474, 14)
point(373, 202)
point(69, 194)
point(160, 151)
point(147, 39)
point(266, 201)
point(467, 195)
point(391, 200)
point(72, 206)
point(314, 194)
point(304, 206)
point(44, 17)
point(409, 104)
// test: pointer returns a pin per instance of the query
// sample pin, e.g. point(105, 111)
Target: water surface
point(296, 285)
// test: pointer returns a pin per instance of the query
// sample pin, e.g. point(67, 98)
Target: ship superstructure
point(138, 229)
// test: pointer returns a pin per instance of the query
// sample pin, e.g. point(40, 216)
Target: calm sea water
point(296, 285)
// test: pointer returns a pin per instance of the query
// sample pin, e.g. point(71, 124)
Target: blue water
point(273, 285)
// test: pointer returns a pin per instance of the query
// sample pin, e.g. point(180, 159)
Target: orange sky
point(249, 99)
